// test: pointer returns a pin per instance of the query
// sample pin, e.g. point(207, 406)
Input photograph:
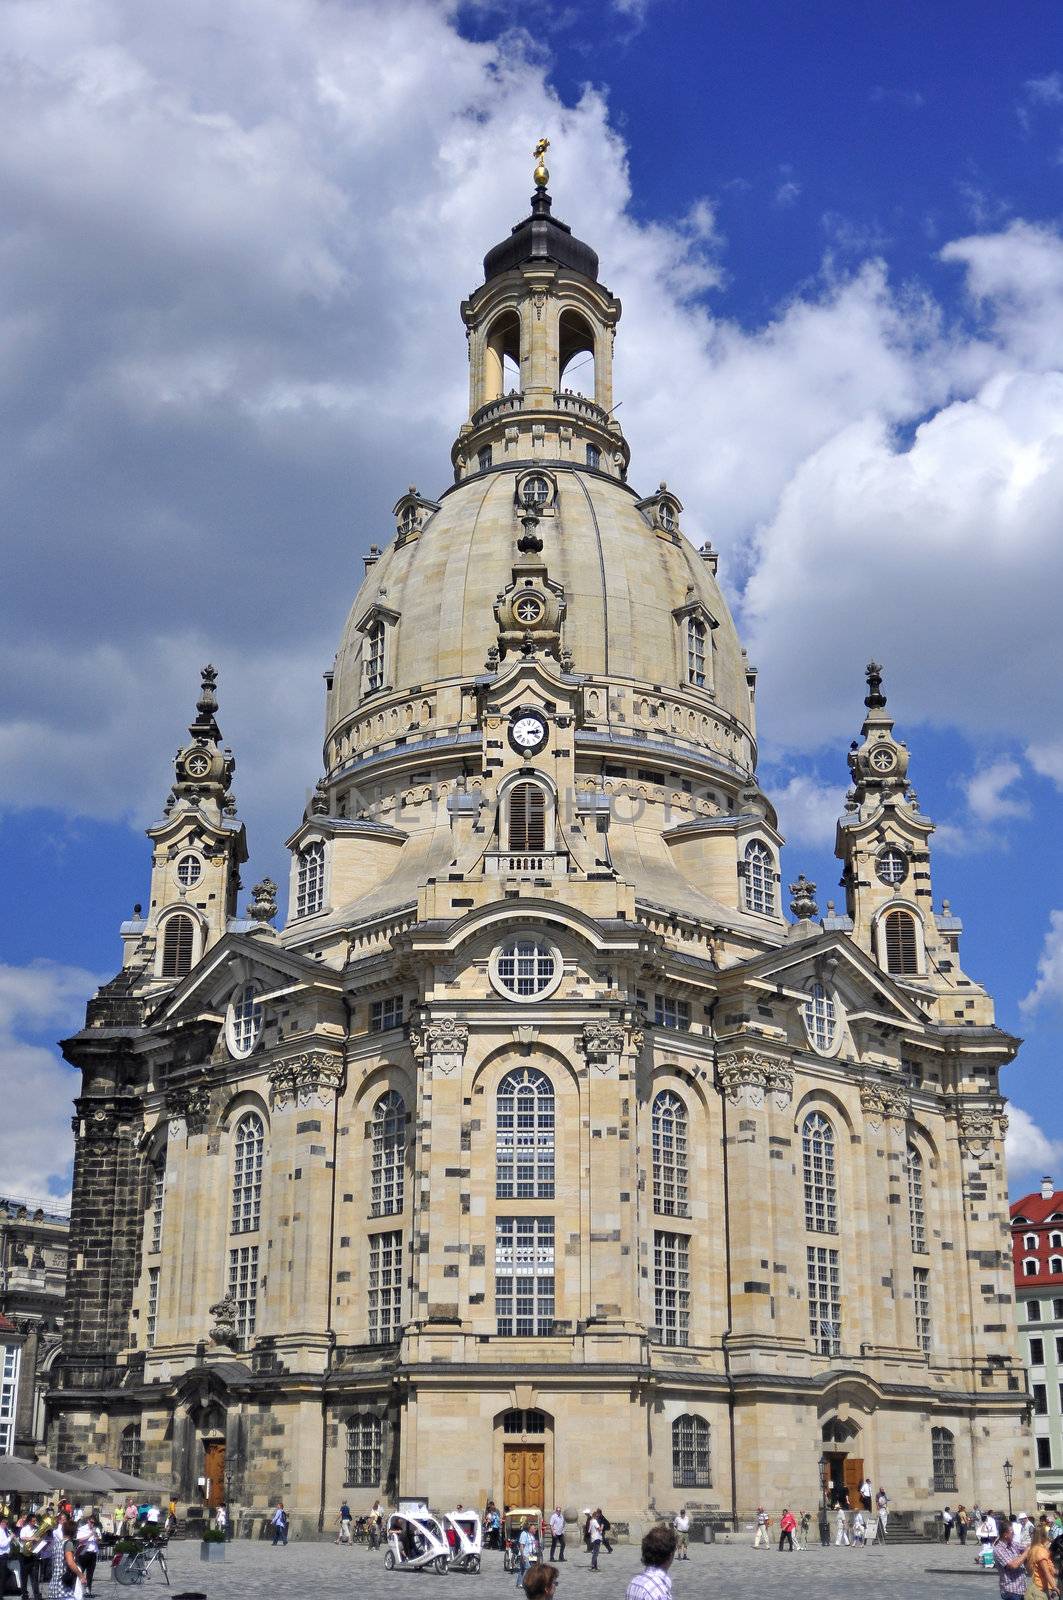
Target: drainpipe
point(727, 1266)
point(331, 1256)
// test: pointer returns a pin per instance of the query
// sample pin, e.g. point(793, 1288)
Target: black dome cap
point(541, 237)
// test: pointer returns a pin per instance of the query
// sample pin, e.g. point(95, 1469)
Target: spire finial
point(874, 700)
point(208, 700)
point(803, 903)
point(541, 176)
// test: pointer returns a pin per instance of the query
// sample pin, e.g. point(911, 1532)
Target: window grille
point(916, 1207)
point(9, 1373)
point(943, 1450)
point(820, 1017)
point(525, 966)
point(690, 1453)
point(365, 1452)
point(670, 1013)
point(669, 1140)
point(760, 878)
point(695, 651)
point(524, 1136)
point(158, 1204)
point(389, 1154)
point(310, 880)
point(594, 456)
point(902, 948)
point(243, 1288)
point(409, 519)
point(178, 944)
point(666, 515)
point(385, 1287)
point(245, 1020)
point(152, 1319)
point(385, 1014)
point(524, 1276)
point(921, 1299)
point(892, 866)
point(524, 1422)
point(527, 817)
point(824, 1299)
point(820, 1176)
point(374, 659)
point(248, 1148)
point(671, 1288)
point(131, 1451)
point(189, 871)
point(535, 491)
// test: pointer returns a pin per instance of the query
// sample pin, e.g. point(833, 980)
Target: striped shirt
point(654, 1583)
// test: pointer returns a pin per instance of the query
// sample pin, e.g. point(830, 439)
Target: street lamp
point(1008, 1471)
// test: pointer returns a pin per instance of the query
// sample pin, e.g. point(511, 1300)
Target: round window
point(883, 759)
point(244, 1021)
point(529, 610)
point(821, 1020)
point(892, 865)
point(189, 870)
point(526, 967)
point(535, 491)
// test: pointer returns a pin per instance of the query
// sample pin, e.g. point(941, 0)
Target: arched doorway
point(843, 1465)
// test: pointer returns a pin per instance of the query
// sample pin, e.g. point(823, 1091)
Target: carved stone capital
point(313, 1075)
point(189, 1103)
point(980, 1126)
point(442, 1044)
point(599, 1040)
point(748, 1077)
point(885, 1103)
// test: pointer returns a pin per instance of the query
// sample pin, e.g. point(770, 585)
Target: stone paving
point(253, 1569)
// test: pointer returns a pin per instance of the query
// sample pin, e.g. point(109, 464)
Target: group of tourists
point(659, 1548)
point(56, 1553)
point(1028, 1556)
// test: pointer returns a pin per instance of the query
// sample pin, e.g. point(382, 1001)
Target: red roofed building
point(1037, 1250)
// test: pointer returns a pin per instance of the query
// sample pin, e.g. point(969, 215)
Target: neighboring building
point(540, 1125)
point(33, 1247)
point(1037, 1251)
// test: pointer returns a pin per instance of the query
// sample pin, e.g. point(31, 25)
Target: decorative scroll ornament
point(98, 1123)
point(883, 1102)
point(980, 1126)
point(443, 1038)
point(223, 1315)
point(747, 1078)
point(190, 1104)
point(602, 1039)
point(313, 1076)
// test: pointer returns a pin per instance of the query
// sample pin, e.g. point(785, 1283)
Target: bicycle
point(132, 1567)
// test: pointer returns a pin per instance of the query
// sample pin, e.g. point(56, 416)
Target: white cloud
point(1030, 1152)
point(1048, 990)
point(1047, 760)
point(36, 1146)
point(808, 809)
point(987, 796)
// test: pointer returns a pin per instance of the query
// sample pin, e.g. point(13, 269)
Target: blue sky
point(234, 246)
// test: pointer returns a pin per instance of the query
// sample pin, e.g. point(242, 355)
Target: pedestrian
point(760, 1538)
point(376, 1525)
point(1041, 1568)
point(1023, 1530)
point(88, 1543)
point(946, 1524)
point(7, 1539)
point(658, 1550)
point(681, 1524)
point(557, 1534)
point(1009, 1559)
point(859, 1528)
point(806, 1524)
point(787, 1524)
point(605, 1526)
point(540, 1581)
point(594, 1539)
point(823, 1520)
point(882, 1505)
point(279, 1522)
point(841, 1523)
point(963, 1522)
point(68, 1579)
point(344, 1535)
point(865, 1494)
point(527, 1552)
point(988, 1534)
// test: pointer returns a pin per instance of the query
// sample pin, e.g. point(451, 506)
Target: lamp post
point(1008, 1471)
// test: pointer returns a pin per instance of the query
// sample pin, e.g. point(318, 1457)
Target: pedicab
point(513, 1524)
point(415, 1542)
point(467, 1543)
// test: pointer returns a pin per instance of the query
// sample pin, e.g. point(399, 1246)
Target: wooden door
point(524, 1475)
point(214, 1472)
point(853, 1469)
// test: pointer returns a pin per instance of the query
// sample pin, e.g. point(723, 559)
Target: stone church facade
point(540, 1154)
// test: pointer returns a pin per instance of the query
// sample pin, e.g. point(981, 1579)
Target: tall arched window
point(310, 881)
point(902, 945)
point(943, 1449)
point(916, 1205)
point(365, 1440)
point(131, 1450)
point(389, 1154)
point(158, 1201)
point(374, 657)
point(524, 1137)
point(820, 1017)
point(178, 944)
point(527, 817)
point(760, 878)
point(821, 1183)
point(690, 1453)
point(696, 652)
point(669, 1136)
point(248, 1145)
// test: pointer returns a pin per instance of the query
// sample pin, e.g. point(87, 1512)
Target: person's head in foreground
point(658, 1546)
point(540, 1581)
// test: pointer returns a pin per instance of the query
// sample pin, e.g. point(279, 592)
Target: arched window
point(365, 1443)
point(527, 817)
point(131, 1450)
point(178, 944)
point(695, 648)
point(310, 880)
point(374, 657)
point(1055, 1264)
point(902, 946)
point(244, 1020)
point(389, 1154)
point(1030, 1242)
point(248, 1146)
point(690, 1453)
point(820, 1017)
point(943, 1451)
point(1055, 1241)
point(669, 1137)
point(524, 1136)
point(916, 1206)
point(821, 1184)
point(408, 521)
point(158, 1202)
point(1029, 1268)
point(575, 353)
point(760, 878)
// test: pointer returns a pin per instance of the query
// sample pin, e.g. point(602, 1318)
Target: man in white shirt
point(761, 1535)
point(594, 1540)
point(681, 1524)
point(557, 1534)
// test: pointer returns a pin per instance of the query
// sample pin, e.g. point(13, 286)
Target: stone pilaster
point(439, 1045)
point(610, 1050)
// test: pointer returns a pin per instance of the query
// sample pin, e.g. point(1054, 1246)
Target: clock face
point(882, 760)
point(198, 765)
point(528, 733)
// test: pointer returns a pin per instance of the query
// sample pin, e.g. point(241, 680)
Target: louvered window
point(527, 817)
point(902, 947)
point(178, 942)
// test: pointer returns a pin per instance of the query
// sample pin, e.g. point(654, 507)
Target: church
point(548, 1150)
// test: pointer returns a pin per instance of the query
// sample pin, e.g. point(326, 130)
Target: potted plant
point(212, 1545)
